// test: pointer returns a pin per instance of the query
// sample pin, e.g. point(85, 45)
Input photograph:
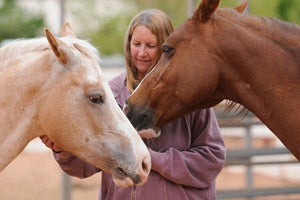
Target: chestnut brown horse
point(222, 54)
point(55, 87)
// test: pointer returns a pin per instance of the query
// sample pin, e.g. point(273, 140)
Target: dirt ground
point(35, 175)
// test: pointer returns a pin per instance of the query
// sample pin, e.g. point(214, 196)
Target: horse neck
point(20, 89)
point(13, 139)
point(255, 74)
point(279, 112)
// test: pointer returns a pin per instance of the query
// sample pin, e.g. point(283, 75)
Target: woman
point(188, 155)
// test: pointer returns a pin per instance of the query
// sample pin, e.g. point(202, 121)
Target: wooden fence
point(249, 157)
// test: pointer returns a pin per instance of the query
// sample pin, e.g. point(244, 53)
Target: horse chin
point(126, 182)
point(149, 133)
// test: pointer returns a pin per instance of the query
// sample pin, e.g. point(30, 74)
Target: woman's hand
point(45, 139)
point(148, 133)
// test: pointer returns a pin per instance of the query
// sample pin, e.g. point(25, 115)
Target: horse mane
point(238, 109)
point(279, 31)
point(24, 46)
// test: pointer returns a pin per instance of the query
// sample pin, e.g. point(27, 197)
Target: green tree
point(288, 10)
point(15, 22)
point(108, 38)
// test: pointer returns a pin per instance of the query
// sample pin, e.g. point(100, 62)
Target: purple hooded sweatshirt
point(186, 159)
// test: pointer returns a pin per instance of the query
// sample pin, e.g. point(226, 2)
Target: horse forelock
point(275, 29)
point(83, 46)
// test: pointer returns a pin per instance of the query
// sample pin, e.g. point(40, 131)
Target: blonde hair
point(159, 24)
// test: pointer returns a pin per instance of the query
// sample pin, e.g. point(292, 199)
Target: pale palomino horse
point(222, 54)
point(55, 87)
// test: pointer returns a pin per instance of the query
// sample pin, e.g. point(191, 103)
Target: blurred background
point(257, 166)
point(104, 22)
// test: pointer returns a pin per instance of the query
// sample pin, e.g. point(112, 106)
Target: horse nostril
point(145, 166)
point(135, 178)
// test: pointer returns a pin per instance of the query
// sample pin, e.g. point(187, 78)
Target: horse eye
point(167, 50)
point(96, 98)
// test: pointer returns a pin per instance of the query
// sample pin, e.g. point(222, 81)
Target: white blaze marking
point(91, 77)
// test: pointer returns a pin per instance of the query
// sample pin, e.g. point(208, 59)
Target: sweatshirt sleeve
point(74, 166)
point(198, 165)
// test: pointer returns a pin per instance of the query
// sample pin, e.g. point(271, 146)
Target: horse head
point(66, 97)
point(170, 89)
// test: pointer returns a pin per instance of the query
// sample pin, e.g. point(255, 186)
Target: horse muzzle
point(143, 119)
point(123, 177)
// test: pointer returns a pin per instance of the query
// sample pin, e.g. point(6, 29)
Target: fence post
point(65, 186)
point(249, 146)
point(190, 7)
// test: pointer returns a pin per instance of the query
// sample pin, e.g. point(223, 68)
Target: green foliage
point(177, 10)
point(16, 23)
point(109, 37)
point(288, 10)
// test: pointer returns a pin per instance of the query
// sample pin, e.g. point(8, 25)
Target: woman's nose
point(142, 51)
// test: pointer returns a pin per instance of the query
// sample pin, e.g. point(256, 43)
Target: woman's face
point(143, 49)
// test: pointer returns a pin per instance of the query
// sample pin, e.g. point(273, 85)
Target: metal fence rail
point(251, 157)
point(256, 192)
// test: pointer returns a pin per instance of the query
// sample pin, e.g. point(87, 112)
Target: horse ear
point(241, 8)
point(67, 31)
point(56, 46)
point(205, 10)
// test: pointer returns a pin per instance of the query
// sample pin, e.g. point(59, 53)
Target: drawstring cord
point(133, 192)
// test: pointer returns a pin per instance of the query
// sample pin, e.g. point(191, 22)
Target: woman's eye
point(96, 98)
point(151, 46)
point(136, 44)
